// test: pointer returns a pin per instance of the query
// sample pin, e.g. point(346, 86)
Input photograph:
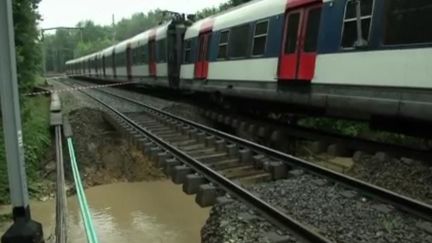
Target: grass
point(359, 129)
point(36, 136)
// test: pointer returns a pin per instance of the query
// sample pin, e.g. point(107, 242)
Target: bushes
point(28, 51)
point(362, 130)
point(345, 127)
point(35, 125)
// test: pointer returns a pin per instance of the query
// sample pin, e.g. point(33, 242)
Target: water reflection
point(132, 212)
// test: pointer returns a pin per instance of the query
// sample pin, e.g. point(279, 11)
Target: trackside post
point(23, 229)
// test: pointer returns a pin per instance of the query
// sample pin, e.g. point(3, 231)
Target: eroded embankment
point(104, 155)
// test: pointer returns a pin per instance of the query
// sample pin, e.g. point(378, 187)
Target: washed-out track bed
point(218, 167)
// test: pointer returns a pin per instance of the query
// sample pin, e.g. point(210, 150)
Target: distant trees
point(224, 6)
point(66, 44)
point(28, 52)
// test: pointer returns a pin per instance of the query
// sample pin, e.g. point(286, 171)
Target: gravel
point(72, 100)
point(104, 155)
point(178, 108)
point(181, 109)
point(147, 99)
point(405, 176)
point(235, 222)
point(337, 213)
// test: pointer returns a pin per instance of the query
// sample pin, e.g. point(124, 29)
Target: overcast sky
point(70, 12)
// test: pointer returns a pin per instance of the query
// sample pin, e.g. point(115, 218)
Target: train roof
point(121, 47)
point(241, 14)
point(161, 31)
point(107, 51)
point(141, 39)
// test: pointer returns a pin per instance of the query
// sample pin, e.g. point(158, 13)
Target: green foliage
point(207, 12)
point(138, 23)
point(68, 44)
point(224, 6)
point(362, 130)
point(28, 57)
point(28, 50)
point(350, 128)
point(35, 116)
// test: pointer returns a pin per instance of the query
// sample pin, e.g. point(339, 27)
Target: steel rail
point(350, 142)
point(272, 214)
point(401, 202)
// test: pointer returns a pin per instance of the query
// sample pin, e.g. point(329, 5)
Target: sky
point(69, 12)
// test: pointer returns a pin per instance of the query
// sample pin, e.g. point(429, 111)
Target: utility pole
point(44, 56)
point(23, 229)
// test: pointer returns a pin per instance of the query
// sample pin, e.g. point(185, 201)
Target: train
point(357, 59)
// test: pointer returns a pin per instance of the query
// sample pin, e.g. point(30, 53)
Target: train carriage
point(356, 58)
point(140, 53)
point(361, 59)
point(160, 50)
point(121, 65)
point(108, 63)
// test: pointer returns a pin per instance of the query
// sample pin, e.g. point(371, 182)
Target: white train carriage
point(108, 63)
point(355, 59)
point(122, 63)
point(139, 45)
point(149, 56)
point(312, 53)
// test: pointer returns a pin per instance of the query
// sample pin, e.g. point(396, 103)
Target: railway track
point(273, 130)
point(56, 121)
point(209, 163)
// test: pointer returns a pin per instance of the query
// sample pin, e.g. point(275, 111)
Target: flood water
point(131, 212)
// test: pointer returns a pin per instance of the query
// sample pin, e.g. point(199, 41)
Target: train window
point(139, 55)
point(107, 63)
point(120, 59)
point(350, 33)
point(223, 45)
point(187, 52)
point(292, 33)
point(135, 55)
point(143, 54)
point(205, 47)
point(260, 38)
point(161, 44)
point(312, 28)
point(408, 22)
point(239, 41)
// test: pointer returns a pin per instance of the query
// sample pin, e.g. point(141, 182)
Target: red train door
point(297, 60)
point(152, 57)
point(201, 65)
point(129, 62)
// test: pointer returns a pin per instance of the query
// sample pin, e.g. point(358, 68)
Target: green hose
point(85, 212)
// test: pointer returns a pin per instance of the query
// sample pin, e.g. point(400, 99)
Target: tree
point(224, 6)
point(68, 44)
point(28, 49)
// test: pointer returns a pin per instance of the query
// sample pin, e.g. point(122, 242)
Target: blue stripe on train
point(330, 35)
point(331, 27)
point(273, 45)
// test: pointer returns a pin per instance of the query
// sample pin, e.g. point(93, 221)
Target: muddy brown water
point(141, 212)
